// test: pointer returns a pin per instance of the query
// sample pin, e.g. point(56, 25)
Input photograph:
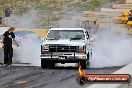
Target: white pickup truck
point(65, 45)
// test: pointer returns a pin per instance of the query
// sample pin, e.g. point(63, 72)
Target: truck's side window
point(87, 35)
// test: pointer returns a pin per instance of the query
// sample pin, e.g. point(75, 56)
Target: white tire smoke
point(29, 51)
point(111, 49)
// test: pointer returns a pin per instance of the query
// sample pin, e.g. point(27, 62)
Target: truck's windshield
point(66, 34)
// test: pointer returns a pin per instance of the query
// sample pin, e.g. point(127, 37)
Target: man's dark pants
point(8, 54)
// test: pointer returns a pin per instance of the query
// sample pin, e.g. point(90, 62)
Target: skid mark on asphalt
point(54, 78)
point(14, 74)
point(36, 80)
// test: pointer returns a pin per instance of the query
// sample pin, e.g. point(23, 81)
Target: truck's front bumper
point(64, 57)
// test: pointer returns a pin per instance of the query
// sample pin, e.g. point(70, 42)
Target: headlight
point(81, 49)
point(44, 49)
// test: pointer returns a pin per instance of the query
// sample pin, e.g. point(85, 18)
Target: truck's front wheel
point(83, 64)
point(51, 64)
point(44, 64)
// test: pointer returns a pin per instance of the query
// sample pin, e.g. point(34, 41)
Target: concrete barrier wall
point(41, 32)
point(125, 70)
point(122, 6)
point(129, 1)
point(113, 10)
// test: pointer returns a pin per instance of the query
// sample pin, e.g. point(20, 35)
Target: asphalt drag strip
point(19, 76)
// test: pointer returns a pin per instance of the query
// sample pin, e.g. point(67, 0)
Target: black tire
point(83, 64)
point(88, 55)
point(51, 64)
point(87, 61)
point(44, 64)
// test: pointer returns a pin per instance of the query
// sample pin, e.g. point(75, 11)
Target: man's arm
point(15, 42)
point(3, 37)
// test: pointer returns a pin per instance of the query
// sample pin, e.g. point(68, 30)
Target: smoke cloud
point(71, 19)
point(29, 51)
point(111, 49)
point(26, 20)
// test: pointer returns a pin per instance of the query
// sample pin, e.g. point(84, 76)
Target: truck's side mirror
point(87, 35)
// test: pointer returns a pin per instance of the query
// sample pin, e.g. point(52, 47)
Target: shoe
point(4, 64)
point(9, 66)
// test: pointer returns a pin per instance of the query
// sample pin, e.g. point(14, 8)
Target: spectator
point(7, 12)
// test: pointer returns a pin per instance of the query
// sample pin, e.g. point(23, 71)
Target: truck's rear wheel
point(44, 64)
